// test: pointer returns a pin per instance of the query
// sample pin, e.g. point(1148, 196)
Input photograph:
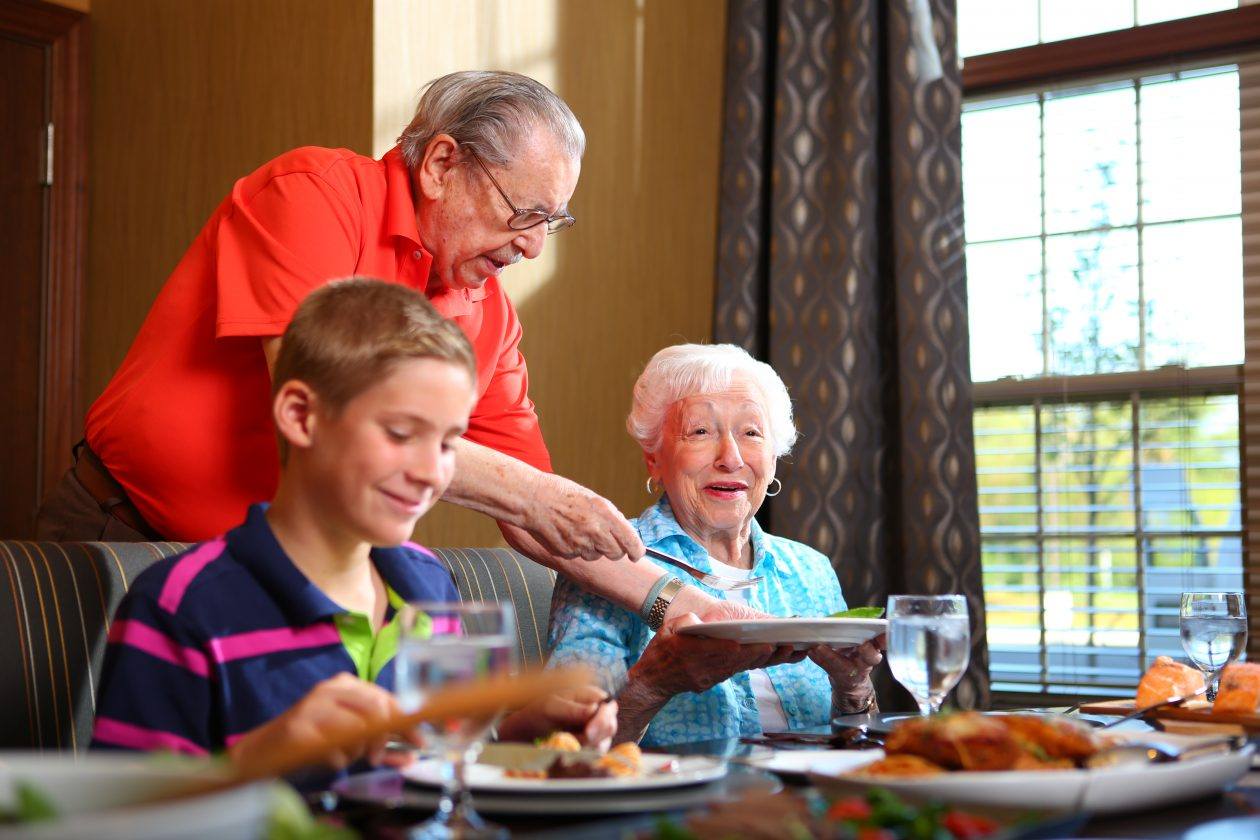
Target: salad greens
point(290, 819)
point(860, 612)
point(877, 815)
point(29, 805)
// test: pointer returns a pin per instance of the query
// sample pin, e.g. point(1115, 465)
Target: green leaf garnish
point(31, 805)
point(860, 612)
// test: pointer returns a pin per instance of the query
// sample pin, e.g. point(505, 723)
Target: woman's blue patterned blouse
point(799, 581)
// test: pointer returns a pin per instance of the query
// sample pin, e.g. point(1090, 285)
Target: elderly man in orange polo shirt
point(181, 442)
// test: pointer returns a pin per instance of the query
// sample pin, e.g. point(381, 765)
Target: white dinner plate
point(798, 632)
point(388, 789)
point(881, 722)
point(490, 778)
point(1105, 791)
point(803, 762)
point(120, 796)
point(1233, 828)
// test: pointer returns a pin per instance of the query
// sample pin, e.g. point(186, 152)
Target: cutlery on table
point(716, 580)
point(1163, 704)
point(1153, 752)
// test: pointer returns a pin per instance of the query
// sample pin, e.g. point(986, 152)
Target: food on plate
point(622, 761)
point(563, 741)
point(1166, 679)
point(1052, 736)
point(903, 765)
point(1239, 691)
point(977, 742)
point(577, 769)
point(878, 815)
point(860, 612)
point(957, 741)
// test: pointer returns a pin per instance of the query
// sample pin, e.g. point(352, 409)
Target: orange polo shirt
point(185, 424)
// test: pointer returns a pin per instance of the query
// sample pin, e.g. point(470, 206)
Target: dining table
point(382, 804)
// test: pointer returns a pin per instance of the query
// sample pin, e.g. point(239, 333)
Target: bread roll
point(1239, 692)
point(1166, 679)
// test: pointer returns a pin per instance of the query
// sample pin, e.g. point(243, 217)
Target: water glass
point(440, 644)
point(1213, 632)
point(929, 645)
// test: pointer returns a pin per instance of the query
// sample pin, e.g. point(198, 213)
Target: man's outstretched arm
point(562, 525)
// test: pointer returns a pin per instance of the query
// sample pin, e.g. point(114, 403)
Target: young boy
point(284, 628)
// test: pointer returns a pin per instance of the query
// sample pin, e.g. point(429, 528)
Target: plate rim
point(794, 621)
point(1076, 784)
point(1074, 773)
point(577, 805)
point(717, 769)
point(800, 633)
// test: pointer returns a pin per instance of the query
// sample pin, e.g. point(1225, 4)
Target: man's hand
point(333, 711)
point(587, 712)
point(569, 521)
point(561, 519)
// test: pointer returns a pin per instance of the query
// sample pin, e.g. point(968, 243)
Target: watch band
point(656, 614)
point(650, 598)
point(870, 706)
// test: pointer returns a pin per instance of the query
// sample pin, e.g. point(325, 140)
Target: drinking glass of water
point(929, 645)
point(440, 644)
point(1213, 631)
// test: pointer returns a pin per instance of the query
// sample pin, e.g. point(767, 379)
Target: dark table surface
point(1186, 821)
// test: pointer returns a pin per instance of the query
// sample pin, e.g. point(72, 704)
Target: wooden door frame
point(65, 32)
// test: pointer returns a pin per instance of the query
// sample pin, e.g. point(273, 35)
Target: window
point(1095, 516)
point(1104, 225)
point(986, 26)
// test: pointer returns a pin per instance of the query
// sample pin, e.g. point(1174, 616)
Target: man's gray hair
point(685, 370)
point(488, 111)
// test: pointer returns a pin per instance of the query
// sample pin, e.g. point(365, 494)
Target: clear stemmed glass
point(929, 645)
point(1213, 631)
point(441, 644)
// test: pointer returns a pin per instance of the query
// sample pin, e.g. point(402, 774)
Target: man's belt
point(106, 491)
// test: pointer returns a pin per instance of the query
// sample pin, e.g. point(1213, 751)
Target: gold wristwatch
point(656, 615)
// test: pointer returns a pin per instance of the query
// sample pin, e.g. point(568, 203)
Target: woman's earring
point(651, 492)
point(778, 490)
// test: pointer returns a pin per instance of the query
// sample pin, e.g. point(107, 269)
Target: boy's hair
point(348, 335)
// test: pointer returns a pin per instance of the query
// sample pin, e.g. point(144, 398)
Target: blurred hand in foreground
point(331, 713)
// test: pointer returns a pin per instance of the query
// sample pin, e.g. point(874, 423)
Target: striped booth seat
point(56, 601)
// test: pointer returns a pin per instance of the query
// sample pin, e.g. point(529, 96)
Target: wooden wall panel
point(186, 98)
point(636, 273)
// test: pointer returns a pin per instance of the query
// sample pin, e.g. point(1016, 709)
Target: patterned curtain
point(841, 263)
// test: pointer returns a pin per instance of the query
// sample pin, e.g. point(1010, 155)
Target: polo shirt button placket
point(415, 255)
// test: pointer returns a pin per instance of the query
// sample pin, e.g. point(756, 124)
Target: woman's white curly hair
point(685, 370)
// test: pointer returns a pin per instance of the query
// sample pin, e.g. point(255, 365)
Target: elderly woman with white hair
point(712, 422)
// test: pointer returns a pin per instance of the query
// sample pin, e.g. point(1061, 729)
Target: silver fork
point(724, 583)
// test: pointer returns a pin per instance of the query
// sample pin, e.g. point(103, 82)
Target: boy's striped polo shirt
point(216, 641)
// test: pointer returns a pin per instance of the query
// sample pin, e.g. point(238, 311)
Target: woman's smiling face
point(716, 459)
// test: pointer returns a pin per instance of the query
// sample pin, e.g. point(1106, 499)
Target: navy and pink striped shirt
point(216, 641)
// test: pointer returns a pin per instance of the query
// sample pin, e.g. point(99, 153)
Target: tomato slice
point(966, 826)
point(874, 833)
point(849, 809)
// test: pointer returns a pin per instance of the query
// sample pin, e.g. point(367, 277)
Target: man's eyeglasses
point(526, 219)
